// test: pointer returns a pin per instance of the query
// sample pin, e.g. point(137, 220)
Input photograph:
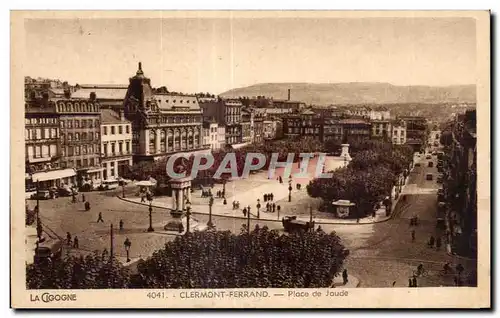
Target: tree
point(96, 271)
point(225, 260)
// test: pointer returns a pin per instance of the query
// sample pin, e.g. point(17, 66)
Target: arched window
point(70, 137)
point(177, 144)
point(152, 146)
point(77, 107)
point(162, 141)
point(170, 141)
point(184, 139)
point(77, 136)
point(84, 136)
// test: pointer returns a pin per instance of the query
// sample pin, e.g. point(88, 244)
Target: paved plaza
point(381, 253)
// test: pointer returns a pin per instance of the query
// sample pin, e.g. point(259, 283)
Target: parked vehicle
point(66, 191)
point(49, 249)
point(109, 185)
point(41, 195)
point(291, 224)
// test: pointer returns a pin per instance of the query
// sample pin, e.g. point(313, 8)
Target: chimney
point(122, 116)
point(67, 92)
point(92, 96)
point(288, 94)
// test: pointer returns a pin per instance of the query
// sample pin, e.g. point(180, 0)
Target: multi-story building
point(270, 129)
point(381, 128)
point(416, 131)
point(211, 135)
point(379, 113)
point(162, 124)
point(221, 136)
point(303, 124)
point(80, 126)
point(258, 128)
point(332, 129)
point(116, 143)
point(43, 146)
point(247, 133)
point(232, 120)
point(398, 135)
point(355, 129)
point(460, 182)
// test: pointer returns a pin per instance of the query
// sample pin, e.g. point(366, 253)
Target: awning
point(53, 175)
point(95, 170)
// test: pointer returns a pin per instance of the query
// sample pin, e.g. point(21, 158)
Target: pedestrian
point(99, 218)
point(279, 208)
point(345, 276)
point(281, 179)
point(357, 220)
point(438, 243)
point(68, 239)
point(73, 197)
point(83, 197)
point(225, 202)
point(410, 282)
point(431, 241)
point(75, 242)
point(272, 197)
point(393, 283)
point(121, 225)
point(413, 235)
point(265, 197)
point(244, 212)
point(414, 281)
point(267, 206)
point(143, 198)
point(87, 205)
point(274, 207)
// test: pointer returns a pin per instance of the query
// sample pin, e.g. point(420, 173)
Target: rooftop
point(109, 116)
point(353, 121)
point(170, 101)
point(102, 93)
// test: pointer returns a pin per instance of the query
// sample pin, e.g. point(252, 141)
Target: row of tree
point(370, 176)
point(211, 259)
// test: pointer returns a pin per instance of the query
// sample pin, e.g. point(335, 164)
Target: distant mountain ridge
point(358, 93)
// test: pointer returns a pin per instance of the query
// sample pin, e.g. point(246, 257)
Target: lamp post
point(258, 208)
point(150, 228)
point(188, 215)
point(290, 190)
point(123, 190)
point(248, 220)
point(127, 245)
point(210, 204)
point(224, 188)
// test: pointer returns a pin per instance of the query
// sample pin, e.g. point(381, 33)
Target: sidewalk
point(352, 282)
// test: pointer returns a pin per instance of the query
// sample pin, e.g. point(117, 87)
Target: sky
point(215, 55)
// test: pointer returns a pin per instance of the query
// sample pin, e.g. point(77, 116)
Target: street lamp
point(290, 190)
point(258, 208)
point(248, 220)
point(150, 228)
point(210, 204)
point(127, 245)
point(224, 188)
point(123, 190)
point(188, 215)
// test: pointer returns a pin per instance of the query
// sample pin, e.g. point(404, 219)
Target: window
point(112, 130)
point(27, 121)
point(70, 124)
point(90, 124)
point(113, 148)
point(84, 136)
point(70, 151)
point(84, 149)
point(78, 163)
point(53, 150)
point(127, 147)
point(27, 134)
point(120, 147)
point(128, 129)
point(30, 151)
point(37, 151)
point(53, 133)
point(91, 161)
point(45, 151)
point(62, 123)
point(104, 130)
point(77, 136)
point(77, 150)
point(96, 148)
point(120, 131)
point(70, 137)
point(85, 162)
point(38, 133)
point(77, 124)
point(96, 136)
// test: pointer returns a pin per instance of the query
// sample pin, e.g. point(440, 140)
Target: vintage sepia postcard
point(260, 159)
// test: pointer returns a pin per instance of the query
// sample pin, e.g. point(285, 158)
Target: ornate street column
point(180, 201)
point(188, 190)
point(174, 199)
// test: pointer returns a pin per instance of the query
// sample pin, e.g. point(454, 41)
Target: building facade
point(416, 131)
point(211, 135)
point(232, 120)
point(355, 129)
point(398, 135)
point(80, 126)
point(381, 129)
point(162, 124)
point(116, 144)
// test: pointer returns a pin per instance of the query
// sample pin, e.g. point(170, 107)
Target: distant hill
point(358, 93)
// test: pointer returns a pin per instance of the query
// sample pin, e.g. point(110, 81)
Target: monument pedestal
point(181, 193)
point(345, 153)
